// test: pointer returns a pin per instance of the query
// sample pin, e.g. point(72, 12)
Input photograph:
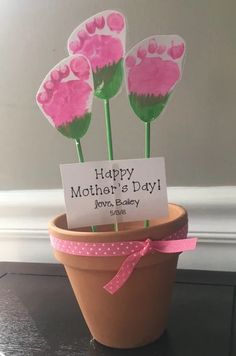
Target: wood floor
point(39, 315)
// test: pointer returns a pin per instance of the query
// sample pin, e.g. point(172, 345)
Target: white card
point(105, 192)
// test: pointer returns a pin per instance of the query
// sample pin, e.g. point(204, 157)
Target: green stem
point(79, 151)
point(108, 129)
point(147, 140)
point(147, 152)
point(109, 136)
point(81, 158)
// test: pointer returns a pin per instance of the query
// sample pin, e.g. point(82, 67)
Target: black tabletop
point(40, 316)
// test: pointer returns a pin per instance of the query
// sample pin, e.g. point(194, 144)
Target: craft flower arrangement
point(116, 265)
point(101, 39)
point(97, 49)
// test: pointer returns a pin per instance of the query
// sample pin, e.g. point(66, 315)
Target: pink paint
point(161, 49)
point(91, 26)
point(74, 46)
point(82, 36)
point(80, 67)
point(154, 76)
point(141, 52)
point(130, 61)
point(64, 71)
point(43, 97)
point(55, 76)
point(49, 85)
point(101, 50)
point(67, 102)
point(176, 51)
point(65, 95)
point(152, 46)
point(99, 22)
point(115, 22)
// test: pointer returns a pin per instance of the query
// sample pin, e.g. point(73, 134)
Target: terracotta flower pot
point(137, 313)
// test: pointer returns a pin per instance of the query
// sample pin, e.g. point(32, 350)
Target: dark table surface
point(40, 316)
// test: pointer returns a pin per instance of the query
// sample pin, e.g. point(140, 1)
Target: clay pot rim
point(72, 233)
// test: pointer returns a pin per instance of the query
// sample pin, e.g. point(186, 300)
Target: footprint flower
point(65, 96)
point(101, 39)
point(153, 67)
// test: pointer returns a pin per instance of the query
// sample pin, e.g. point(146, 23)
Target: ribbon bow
point(143, 248)
point(135, 250)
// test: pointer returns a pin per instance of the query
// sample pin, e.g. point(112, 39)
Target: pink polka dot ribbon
point(134, 250)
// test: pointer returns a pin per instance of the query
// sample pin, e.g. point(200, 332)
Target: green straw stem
point(81, 158)
point(108, 129)
point(147, 152)
point(109, 137)
point(147, 140)
point(79, 151)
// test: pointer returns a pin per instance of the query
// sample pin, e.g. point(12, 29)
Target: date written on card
point(107, 192)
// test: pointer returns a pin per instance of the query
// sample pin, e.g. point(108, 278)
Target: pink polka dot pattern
point(135, 250)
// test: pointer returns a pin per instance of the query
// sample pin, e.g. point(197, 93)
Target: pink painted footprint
point(101, 39)
point(153, 67)
point(65, 96)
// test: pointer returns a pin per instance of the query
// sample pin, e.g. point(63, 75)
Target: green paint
point(77, 128)
point(108, 80)
point(148, 107)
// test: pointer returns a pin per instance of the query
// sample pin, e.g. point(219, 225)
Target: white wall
point(196, 133)
point(24, 217)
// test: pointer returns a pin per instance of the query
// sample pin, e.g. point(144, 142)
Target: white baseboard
point(24, 216)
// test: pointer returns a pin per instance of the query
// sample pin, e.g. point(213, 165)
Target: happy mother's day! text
point(104, 192)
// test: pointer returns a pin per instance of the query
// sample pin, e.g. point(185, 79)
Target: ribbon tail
point(123, 274)
point(174, 246)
